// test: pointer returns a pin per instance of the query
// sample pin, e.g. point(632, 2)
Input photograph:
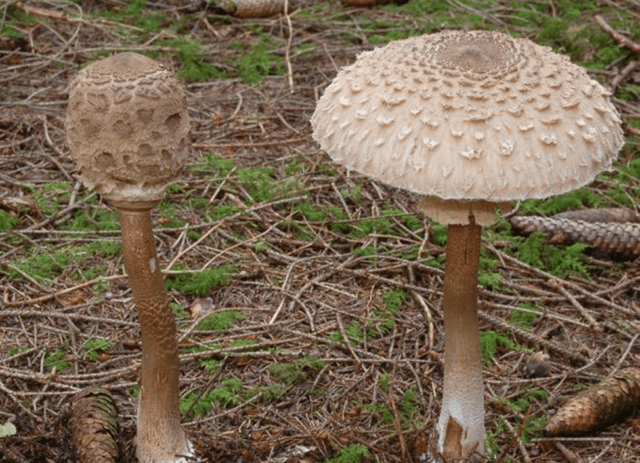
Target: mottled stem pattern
point(160, 436)
point(461, 431)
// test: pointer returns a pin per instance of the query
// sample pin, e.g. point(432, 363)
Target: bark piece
point(609, 402)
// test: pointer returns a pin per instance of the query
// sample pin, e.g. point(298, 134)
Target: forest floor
point(322, 338)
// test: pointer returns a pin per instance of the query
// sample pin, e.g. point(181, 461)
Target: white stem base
point(152, 455)
point(464, 425)
point(460, 429)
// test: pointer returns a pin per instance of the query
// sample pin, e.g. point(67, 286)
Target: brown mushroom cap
point(469, 116)
point(127, 127)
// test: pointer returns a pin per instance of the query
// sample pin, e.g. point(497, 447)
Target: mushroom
point(470, 121)
point(128, 132)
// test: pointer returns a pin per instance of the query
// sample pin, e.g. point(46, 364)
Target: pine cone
point(600, 214)
point(249, 8)
point(94, 423)
point(611, 237)
point(607, 403)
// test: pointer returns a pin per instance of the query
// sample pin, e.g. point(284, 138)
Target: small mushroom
point(128, 132)
point(471, 121)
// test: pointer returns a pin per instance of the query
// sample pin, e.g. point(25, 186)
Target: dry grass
point(298, 284)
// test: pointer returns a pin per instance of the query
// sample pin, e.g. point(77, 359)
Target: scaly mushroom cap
point(469, 116)
point(127, 127)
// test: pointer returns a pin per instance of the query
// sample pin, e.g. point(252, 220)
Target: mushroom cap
point(127, 127)
point(469, 116)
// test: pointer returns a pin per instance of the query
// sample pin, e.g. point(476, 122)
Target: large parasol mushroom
point(471, 121)
point(128, 131)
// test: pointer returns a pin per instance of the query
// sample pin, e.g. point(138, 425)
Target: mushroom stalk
point(471, 120)
point(160, 437)
point(461, 431)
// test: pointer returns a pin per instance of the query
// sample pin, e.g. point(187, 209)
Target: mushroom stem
point(461, 429)
point(160, 437)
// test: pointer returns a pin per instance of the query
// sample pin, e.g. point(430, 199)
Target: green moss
point(552, 30)
point(262, 185)
point(178, 311)
point(383, 323)
point(378, 225)
point(297, 371)
point(532, 426)
point(490, 280)
point(492, 341)
point(44, 266)
point(295, 166)
point(195, 64)
point(381, 39)
point(100, 219)
point(7, 221)
point(200, 283)
point(525, 401)
point(557, 260)
point(222, 211)
point(228, 393)
point(294, 227)
point(575, 199)
point(412, 222)
point(429, 7)
point(487, 277)
point(18, 350)
point(409, 402)
point(525, 319)
point(629, 172)
point(91, 272)
point(353, 194)
point(439, 234)
point(384, 413)
point(353, 453)
point(269, 392)
point(106, 248)
point(353, 331)
point(394, 300)
point(95, 346)
point(213, 163)
point(305, 47)
point(169, 212)
point(153, 21)
point(327, 170)
point(57, 360)
point(364, 251)
point(621, 196)
point(50, 196)
point(136, 12)
point(14, 23)
point(311, 212)
point(259, 180)
point(219, 321)
point(384, 382)
point(260, 62)
point(492, 449)
point(210, 365)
